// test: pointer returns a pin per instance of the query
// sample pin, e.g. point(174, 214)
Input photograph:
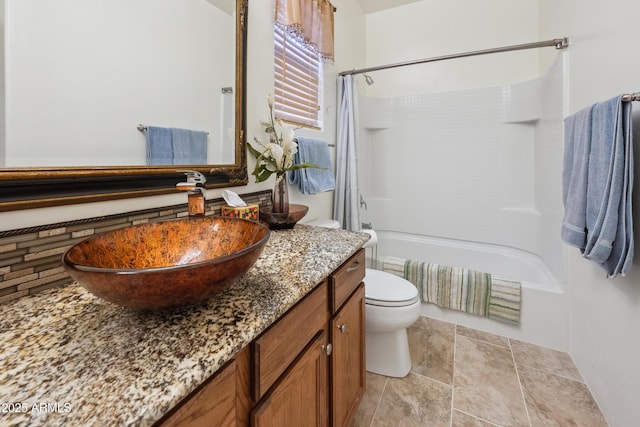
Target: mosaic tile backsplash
point(31, 258)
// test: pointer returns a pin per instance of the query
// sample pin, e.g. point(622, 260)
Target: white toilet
point(391, 306)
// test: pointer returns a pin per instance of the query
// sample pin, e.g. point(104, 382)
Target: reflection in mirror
point(83, 77)
point(83, 74)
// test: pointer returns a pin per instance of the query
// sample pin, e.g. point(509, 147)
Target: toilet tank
point(327, 223)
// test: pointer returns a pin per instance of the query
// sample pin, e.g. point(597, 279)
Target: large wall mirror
point(86, 79)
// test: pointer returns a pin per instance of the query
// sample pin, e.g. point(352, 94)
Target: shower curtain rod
point(557, 43)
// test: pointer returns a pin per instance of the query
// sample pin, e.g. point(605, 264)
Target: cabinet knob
point(356, 264)
point(327, 349)
point(343, 328)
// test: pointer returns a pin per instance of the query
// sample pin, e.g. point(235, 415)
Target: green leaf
point(260, 172)
point(303, 166)
point(255, 152)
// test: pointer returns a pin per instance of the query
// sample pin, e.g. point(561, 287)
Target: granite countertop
point(69, 358)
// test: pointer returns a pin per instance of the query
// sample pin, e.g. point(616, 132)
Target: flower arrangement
point(275, 156)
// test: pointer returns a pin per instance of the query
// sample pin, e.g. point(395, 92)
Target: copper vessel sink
point(166, 264)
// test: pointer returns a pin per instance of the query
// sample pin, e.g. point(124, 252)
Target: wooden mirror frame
point(26, 188)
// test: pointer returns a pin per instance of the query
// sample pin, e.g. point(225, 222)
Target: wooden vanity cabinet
point(289, 366)
point(347, 359)
point(347, 336)
point(307, 369)
point(300, 397)
point(282, 343)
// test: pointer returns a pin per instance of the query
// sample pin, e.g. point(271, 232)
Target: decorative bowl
point(278, 221)
point(166, 264)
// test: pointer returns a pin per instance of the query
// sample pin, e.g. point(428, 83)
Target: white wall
point(426, 29)
point(547, 161)
point(605, 314)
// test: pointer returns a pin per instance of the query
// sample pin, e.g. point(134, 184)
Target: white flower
point(289, 146)
point(277, 154)
point(270, 100)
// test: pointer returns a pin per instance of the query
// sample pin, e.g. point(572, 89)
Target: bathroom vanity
point(306, 369)
point(282, 346)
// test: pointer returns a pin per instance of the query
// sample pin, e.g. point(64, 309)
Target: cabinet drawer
point(279, 345)
point(345, 279)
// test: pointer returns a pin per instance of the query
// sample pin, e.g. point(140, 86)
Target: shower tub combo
point(543, 316)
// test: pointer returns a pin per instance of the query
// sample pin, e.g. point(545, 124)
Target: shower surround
point(481, 165)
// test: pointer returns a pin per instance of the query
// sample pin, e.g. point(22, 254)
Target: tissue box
point(251, 212)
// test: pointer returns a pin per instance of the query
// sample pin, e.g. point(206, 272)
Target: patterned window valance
point(310, 22)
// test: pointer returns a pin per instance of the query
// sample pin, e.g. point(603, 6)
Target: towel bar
point(631, 97)
point(143, 128)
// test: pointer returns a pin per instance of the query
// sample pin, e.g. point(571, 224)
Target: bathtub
point(544, 315)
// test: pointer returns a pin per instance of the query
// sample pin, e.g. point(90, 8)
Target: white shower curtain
point(346, 209)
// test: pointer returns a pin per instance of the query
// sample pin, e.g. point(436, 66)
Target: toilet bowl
point(391, 306)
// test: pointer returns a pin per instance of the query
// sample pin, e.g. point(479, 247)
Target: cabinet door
point(300, 396)
point(348, 358)
point(275, 350)
point(213, 404)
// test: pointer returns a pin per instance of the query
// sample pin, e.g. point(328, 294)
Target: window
point(298, 72)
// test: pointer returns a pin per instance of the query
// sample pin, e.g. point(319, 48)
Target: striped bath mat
point(461, 289)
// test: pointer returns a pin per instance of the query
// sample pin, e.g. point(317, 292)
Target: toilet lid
point(386, 289)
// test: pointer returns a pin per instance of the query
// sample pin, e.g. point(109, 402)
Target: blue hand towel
point(313, 180)
point(189, 147)
point(577, 144)
point(159, 146)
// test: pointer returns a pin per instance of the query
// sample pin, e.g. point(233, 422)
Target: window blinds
point(297, 81)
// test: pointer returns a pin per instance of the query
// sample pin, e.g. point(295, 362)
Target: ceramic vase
point(280, 197)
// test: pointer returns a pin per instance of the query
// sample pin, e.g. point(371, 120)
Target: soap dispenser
point(194, 186)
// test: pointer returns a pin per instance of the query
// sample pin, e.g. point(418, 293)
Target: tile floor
point(464, 377)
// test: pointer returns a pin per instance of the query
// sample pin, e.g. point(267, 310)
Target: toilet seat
point(388, 290)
